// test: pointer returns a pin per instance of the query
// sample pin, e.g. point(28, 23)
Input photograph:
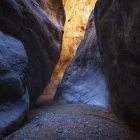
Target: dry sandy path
point(57, 121)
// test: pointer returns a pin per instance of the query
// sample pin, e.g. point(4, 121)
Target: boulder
point(14, 100)
point(39, 26)
point(84, 80)
point(118, 32)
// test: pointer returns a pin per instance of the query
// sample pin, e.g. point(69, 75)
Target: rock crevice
point(84, 80)
point(77, 14)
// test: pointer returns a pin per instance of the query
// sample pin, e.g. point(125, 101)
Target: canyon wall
point(84, 80)
point(118, 33)
point(14, 100)
point(30, 45)
point(40, 29)
point(108, 56)
point(77, 14)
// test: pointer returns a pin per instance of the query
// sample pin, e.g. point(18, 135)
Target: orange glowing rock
point(77, 14)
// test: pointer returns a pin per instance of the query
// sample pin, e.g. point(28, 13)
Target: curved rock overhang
point(39, 26)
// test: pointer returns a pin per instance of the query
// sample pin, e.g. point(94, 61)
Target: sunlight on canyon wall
point(77, 14)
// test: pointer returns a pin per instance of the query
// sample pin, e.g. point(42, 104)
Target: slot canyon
point(77, 14)
point(69, 70)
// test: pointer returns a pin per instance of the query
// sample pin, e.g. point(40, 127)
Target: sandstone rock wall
point(40, 28)
point(118, 32)
point(14, 99)
point(77, 14)
point(64, 2)
point(84, 81)
point(54, 11)
point(35, 28)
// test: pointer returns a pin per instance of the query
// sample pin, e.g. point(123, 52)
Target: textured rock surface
point(77, 14)
point(14, 100)
point(118, 32)
point(84, 81)
point(64, 2)
point(39, 26)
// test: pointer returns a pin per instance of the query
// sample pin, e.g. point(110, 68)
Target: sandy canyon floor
point(57, 121)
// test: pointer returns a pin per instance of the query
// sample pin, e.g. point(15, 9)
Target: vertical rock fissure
point(77, 14)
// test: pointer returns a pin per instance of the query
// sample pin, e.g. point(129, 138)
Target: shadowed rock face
point(39, 26)
point(35, 28)
point(118, 32)
point(14, 100)
point(84, 81)
point(55, 12)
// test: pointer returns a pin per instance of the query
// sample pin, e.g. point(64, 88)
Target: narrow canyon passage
point(88, 57)
point(77, 14)
point(57, 121)
point(94, 87)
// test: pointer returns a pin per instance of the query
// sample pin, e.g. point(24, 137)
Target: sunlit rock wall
point(77, 14)
point(64, 2)
point(118, 32)
point(84, 80)
point(39, 26)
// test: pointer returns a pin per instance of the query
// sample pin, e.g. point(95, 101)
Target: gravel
point(56, 121)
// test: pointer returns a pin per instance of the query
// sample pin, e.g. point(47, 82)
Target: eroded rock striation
point(39, 26)
point(118, 32)
point(14, 99)
point(84, 80)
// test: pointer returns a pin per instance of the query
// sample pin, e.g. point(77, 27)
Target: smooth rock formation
point(35, 28)
point(39, 26)
point(118, 32)
point(84, 80)
point(77, 14)
point(14, 100)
